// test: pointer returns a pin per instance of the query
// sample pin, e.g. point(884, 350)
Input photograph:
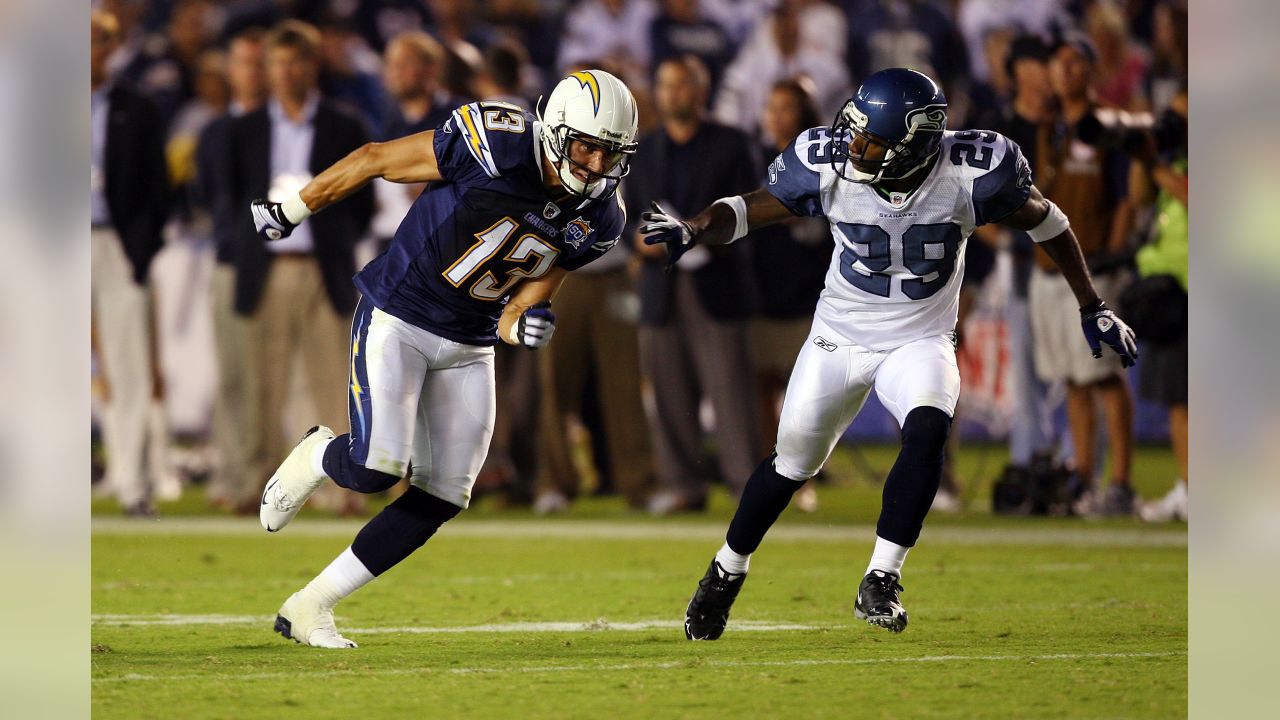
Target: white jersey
point(898, 260)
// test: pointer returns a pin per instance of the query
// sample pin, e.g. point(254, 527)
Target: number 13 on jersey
point(489, 243)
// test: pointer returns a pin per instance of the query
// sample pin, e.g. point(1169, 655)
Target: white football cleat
point(306, 621)
point(293, 482)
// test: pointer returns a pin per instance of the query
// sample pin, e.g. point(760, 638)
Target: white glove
point(536, 326)
point(269, 220)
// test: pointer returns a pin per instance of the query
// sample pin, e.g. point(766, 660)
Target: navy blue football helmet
point(890, 128)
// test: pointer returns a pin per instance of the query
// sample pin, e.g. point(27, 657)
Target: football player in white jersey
point(902, 195)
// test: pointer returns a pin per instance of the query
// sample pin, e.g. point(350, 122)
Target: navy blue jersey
point(470, 238)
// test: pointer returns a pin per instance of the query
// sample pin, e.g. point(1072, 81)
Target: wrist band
point(739, 208)
point(1055, 223)
point(295, 210)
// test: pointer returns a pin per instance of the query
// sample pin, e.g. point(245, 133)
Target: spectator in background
point(512, 465)
point(189, 234)
point(1027, 120)
point(237, 422)
point(411, 73)
point(455, 21)
point(1169, 63)
point(129, 200)
point(906, 33)
point(462, 62)
point(789, 263)
point(683, 28)
point(529, 23)
point(506, 75)
point(612, 32)
point(978, 19)
point(381, 21)
point(737, 17)
point(162, 66)
point(1160, 298)
point(298, 290)
point(1081, 170)
point(799, 39)
point(349, 72)
point(693, 332)
point(1120, 74)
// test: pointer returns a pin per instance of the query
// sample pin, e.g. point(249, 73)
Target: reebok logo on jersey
point(824, 343)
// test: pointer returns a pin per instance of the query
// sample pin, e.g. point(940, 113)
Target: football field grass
point(507, 616)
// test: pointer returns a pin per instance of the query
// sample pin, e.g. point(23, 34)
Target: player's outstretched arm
point(726, 220)
point(410, 159)
point(1049, 227)
point(527, 319)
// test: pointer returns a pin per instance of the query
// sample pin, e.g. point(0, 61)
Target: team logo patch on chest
point(576, 231)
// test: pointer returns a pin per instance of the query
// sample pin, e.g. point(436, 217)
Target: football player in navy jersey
point(514, 201)
point(902, 195)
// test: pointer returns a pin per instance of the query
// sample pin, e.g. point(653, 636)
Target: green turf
point(1087, 621)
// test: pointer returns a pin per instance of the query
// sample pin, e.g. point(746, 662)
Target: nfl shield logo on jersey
point(550, 211)
point(576, 231)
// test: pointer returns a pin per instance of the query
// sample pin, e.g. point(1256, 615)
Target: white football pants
point(830, 383)
point(415, 395)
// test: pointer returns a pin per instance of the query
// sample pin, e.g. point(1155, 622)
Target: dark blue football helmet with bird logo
point(890, 128)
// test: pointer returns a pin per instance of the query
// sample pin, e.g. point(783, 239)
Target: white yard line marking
point(669, 530)
point(525, 627)
point(692, 664)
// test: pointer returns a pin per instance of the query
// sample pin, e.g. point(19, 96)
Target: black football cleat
point(878, 601)
point(708, 610)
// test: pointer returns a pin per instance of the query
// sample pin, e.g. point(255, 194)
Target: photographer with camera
point(1082, 167)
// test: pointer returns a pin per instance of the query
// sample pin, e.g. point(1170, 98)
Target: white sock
point(345, 575)
point(732, 562)
point(317, 459)
point(888, 557)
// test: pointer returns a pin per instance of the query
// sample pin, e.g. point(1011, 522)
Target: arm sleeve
point(793, 175)
point(612, 221)
point(1002, 190)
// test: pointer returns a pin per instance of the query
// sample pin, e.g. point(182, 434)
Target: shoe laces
point(718, 583)
point(886, 582)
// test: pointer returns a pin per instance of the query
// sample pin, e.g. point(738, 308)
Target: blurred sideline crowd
point(658, 385)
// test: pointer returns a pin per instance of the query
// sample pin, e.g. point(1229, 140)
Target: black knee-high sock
point(763, 499)
point(402, 527)
point(914, 479)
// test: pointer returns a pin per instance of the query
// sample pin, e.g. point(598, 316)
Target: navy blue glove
point(1102, 326)
point(536, 326)
point(269, 220)
point(663, 227)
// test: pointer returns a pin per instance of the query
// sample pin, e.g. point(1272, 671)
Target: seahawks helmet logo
point(932, 118)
